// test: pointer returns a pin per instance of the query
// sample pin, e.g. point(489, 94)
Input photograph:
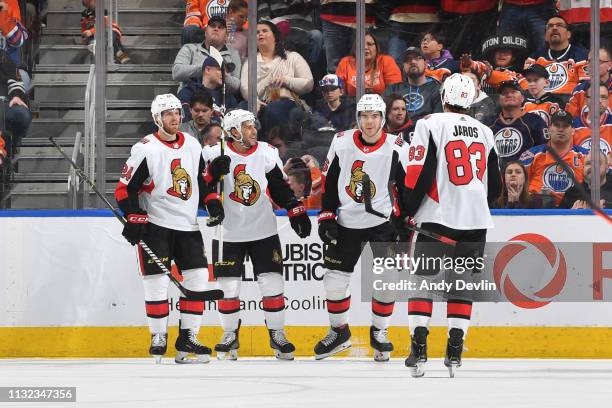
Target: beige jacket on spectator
point(295, 69)
point(189, 60)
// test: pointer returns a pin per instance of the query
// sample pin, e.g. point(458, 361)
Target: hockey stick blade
point(367, 197)
point(204, 295)
point(433, 235)
point(587, 197)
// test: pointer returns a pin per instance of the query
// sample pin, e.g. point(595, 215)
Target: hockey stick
point(367, 201)
point(587, 197)
point(203, 296)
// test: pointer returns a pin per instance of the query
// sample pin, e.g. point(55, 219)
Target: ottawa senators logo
point(181, 181)
point(246, 190)
point(355, 187)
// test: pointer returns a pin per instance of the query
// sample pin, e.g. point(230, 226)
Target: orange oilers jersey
point(563, 76)
point(544, 172)
point(582, 135)
point(544, 107)
point(199, 11)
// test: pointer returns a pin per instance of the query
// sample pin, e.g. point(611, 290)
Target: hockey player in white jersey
point(452, 173)
point(344, 225)
point(250, 229)
point(160, 190)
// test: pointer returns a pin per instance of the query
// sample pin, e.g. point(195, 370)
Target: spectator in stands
point(583, 126)
point(574, 199)
point(302, 35)
point(503, 59)
point(198, 114)
point(237, 13)
point(407, 20)
point(282, 77)
point(467, 22)
point(544, 174)
point(212, 134)
point(88, 31)
point(514, 130)
point(558, 47)
point(538, 100)
point(190, 58)
point(197, 17)
point(278, 139)
point(515, 192)
point(577, 100)
point(483, 108)
point(13, 33)
point(398, 122)
point(527, 18)
point(313, 202)
point(436, 56)
point(16, 111)
point(338, 20)
point(421, 93)
point(335, 107)
point(380, 69)
point(298, 177)
point(212, 82)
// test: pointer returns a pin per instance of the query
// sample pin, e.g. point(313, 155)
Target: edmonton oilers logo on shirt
point(543, 114)
point(556, 179)
point(604, 146)
point(558, 76)
point(508, 141)
point(414, 101)
point(216, 7)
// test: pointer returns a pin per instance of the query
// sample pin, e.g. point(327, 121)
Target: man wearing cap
point(211, 81)
point(421, 92)
point(577, 100)
point(515, 130)
point(190, 58)
point(538, 100)
point(544, 173)
point(335, 107)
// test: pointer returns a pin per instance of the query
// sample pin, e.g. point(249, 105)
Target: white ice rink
point(268, 383)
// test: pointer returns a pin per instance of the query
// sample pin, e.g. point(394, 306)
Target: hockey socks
point(419, 313)
point(458, 313)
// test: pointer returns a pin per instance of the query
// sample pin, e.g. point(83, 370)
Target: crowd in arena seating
point(529, 69)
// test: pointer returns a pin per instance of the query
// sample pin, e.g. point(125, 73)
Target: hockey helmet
point(235, 119)
point(163, 103)
point(458, 90)
point(372, 102)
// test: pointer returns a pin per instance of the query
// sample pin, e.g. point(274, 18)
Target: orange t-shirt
point(387, 73)
point(582, 134)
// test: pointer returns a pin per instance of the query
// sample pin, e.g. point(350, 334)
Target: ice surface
point(269, 383)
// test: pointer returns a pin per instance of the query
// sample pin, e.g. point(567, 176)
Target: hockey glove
point(299, 220)
point(220, 166)
point(399, 223)
point(328, 228)
point(216, 214)
point(136, 226)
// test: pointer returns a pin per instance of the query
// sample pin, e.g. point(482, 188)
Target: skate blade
point(344, 346)
point(185, 358)
point(158, 359)
point(381, 356)
point(231, 355)
point(452, 369)
point(283, 356)
point(418, 370)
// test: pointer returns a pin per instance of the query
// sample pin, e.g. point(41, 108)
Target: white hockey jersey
point(451, 166)
point(348, 160)
point(161, 178)
point(249, 215)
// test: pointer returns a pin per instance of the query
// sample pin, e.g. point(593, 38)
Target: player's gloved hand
point(136, 226)
point(328, 228)
point(299, 220)
point(216, 214)
point(220, 166)
point(400, 223)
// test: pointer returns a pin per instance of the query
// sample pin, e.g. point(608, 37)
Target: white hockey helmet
point(371, 102)
point(235, 118)
point(163, 103)
point(458, 90)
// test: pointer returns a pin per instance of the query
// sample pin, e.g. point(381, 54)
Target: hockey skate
point(186, 344)
point(454, 348)
point(159, 344)
point(338, 339)
point(380, 343)
point(227, 348)
point(418, 352)
point(283, 348)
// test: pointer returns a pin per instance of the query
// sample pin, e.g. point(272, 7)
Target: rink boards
point(69, 287)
